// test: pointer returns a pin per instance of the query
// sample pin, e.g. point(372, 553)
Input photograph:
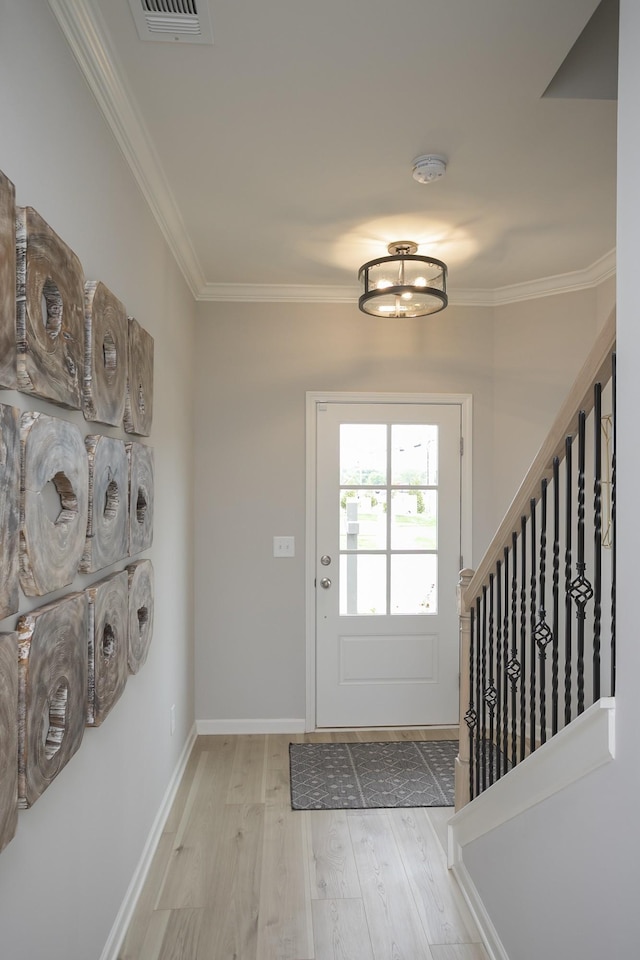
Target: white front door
point(388, 558)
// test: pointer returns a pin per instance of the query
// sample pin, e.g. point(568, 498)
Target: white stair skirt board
point(585, 744)
point(212, 727)
point(123, 918)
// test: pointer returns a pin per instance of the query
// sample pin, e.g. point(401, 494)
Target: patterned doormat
point(351, 776)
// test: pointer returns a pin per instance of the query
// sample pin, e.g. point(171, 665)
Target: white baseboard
point(490, 939)
point(123, 918)
point(212, 727)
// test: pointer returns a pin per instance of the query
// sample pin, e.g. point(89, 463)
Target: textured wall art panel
point(140, 612)
point(138, 414)
point(108, 644)
point(8, 737)
point(108, 524)
point(7, 283)
point(106, 355)
point(9, 509)
point(50, 313)
point(54, 498)
point(52, 692)
point(141, 497)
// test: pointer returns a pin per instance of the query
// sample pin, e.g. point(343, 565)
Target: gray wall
point(539, 346)
point(254, 364)
point(63, 877)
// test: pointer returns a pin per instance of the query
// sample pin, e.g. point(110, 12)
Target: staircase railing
point(537, 618)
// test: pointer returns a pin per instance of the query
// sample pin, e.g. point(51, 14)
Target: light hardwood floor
point(238, 875)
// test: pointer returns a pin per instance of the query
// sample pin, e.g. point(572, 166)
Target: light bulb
point(406, 296)
point(419, 282)
point(383, 284)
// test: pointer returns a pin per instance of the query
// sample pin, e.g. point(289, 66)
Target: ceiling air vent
point(172, 21)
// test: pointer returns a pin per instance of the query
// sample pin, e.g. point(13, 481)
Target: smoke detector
point(429, 167)
point(172, 21)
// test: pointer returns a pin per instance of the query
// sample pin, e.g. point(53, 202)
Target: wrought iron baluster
point(567, 584)
point(581, 589)
point(483, 731)
point(490, 689)
point(523, 636)
point(613, 526)
point(513, 668)
point(542, 633)
point(471, 716)
point(498, 669)
point(556, 596)
point(532, 620)
point(505, 659)
point(597, 536)
point(478, 697)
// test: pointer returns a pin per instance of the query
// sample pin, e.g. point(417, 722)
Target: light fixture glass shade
point(403, 285)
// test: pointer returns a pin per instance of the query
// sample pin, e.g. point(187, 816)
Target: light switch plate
point(284, 546)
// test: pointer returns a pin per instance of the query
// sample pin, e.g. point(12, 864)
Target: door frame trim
point(313, 397)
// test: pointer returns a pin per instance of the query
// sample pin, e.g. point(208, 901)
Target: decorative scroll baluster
point(490, 688)
point(471, 716)
point(597, 536)
point(523, 636)
point(478, 699)
point(505, 655)
point(498, 669)
point(556, 596)
point(613, 528)
point(567, 585)
point(513, 668)
point(542, 634)
point(581, 589)
point(532, 619)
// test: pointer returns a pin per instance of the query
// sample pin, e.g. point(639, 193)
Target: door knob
point(325, 583)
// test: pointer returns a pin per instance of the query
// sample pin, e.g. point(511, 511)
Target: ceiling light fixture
point(404, 284)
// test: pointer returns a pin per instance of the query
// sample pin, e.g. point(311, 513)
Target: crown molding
point(603, 269)
point(597, 273)
point(87, 36)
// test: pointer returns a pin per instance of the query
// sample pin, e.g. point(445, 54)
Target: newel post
point(462, 760)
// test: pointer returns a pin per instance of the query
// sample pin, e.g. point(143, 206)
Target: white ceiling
point(278, 159)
